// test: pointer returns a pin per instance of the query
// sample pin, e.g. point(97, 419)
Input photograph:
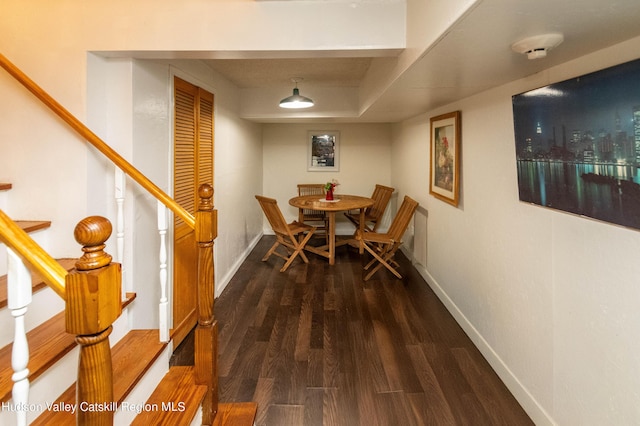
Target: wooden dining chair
point(373, 215)
point(317, 217)
point(383, 246)
point(286, 233)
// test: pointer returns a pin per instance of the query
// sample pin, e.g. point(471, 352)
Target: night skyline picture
point(578, 145)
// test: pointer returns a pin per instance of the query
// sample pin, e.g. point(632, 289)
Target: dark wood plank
point(340, 351)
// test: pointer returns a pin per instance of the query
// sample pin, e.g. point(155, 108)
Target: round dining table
point(341, 202)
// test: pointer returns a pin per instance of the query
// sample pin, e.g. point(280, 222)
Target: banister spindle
point(18, 300)
point(164, 301)
point(120, 186)
point(206, 335)
point(93, 304)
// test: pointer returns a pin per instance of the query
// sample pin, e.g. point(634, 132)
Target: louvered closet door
point(193, 166)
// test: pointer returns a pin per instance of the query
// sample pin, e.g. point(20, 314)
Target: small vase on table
point(329, 196)
point(329, 187)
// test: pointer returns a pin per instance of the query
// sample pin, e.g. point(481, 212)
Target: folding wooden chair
point(383, 246)
point(309, 216)
point(373, 215)
point(286, 233)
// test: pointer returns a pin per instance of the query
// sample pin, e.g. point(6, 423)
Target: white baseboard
point(222, 284)
point(528, 402)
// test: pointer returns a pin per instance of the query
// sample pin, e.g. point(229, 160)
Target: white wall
point(365, 150)
point(50, 41)
point(132, 105)
point(550, 298)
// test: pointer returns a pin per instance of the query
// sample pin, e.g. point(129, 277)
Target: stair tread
point(236, 414)
point(36, 280)
point(47, 344)
point(131, 357)
point(33, 225)
point(175, 401)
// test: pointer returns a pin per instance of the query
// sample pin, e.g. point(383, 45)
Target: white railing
point(164, 301)
point(18, 300)
point(163, 307)
point(120, 190)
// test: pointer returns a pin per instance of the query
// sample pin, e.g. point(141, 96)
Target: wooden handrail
point(30, 252)
point(98, 143)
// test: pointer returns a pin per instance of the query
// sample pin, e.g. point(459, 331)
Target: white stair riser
point(57, 379)
point(46, 303)
point(3, 259)
point(4, 201)
point(46, 388)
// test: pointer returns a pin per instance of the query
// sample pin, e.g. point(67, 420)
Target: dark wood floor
point(316, 345)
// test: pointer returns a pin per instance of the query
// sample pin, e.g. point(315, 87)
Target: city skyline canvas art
point(578, 145)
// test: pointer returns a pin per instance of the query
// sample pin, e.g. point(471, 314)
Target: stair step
point(5, 186)
point(236, 414)
point(176, 399)
point(131, 357)
point(48, 343)
point(33, 225)
point(36, 280)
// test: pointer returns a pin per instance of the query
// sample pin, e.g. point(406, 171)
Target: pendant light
point(296, 101)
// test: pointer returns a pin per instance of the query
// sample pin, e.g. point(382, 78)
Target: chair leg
point(382, 261)
point(271, 250)
point(302, 245)
point(298, 250)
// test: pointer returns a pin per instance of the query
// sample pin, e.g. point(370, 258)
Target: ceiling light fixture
point(537, 46)
point(296, 100)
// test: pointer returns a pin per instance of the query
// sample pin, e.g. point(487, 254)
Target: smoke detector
point(537, 46)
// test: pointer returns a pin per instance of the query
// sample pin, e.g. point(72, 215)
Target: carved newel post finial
point(205, 192)
point(91, 233)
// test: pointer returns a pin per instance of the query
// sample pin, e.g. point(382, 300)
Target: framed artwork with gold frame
point(444, 149)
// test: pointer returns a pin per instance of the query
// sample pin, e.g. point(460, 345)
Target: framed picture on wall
point(323, 151)
point(444, 176)
point(578, 145)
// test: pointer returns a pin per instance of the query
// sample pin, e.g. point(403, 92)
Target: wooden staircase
point(94, 312)
point(176, 400)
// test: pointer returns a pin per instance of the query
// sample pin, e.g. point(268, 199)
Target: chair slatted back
point(402, 219)
point(311, 189)
point(274, 215)
point(381, 196)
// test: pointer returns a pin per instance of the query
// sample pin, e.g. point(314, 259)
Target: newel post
point(206, 335)
point(93, 304)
